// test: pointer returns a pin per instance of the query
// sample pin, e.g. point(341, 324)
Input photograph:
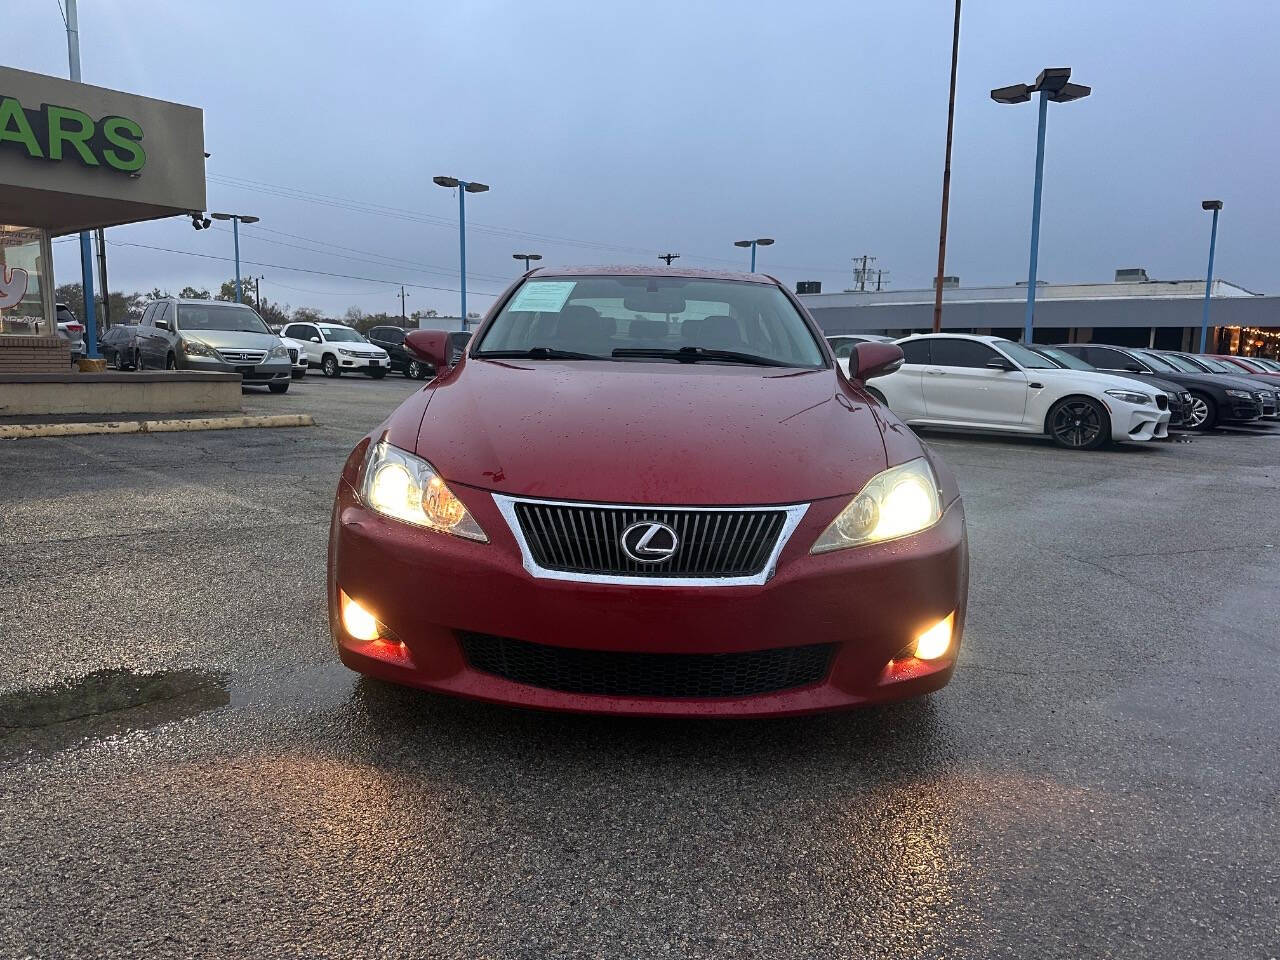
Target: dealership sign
point(65, 133)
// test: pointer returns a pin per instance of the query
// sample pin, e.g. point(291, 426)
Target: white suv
point(333, 348)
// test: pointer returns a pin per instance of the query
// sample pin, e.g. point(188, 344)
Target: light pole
point(761, 242)
point(1216, 207)
point(526, 257)
point(453, 183)
point(86, 248)
point(236, 219)
point(946, 177)
point(1051, 84)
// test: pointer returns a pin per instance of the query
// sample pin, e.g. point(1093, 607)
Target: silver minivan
point(213, 336)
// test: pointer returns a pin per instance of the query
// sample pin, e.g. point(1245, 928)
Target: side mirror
point(874, 360)
point(999, 364)
point(315, 339)
point(429, 345)
point(162, 324)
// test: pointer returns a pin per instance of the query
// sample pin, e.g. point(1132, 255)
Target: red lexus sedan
point(649, 491)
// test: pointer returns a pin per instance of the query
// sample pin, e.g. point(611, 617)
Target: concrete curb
point(18, 431)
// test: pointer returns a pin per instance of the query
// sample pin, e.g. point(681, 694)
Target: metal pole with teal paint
point(1215, 206)
point(235, 232)
point(463, 187)
point(759, 241)
point(86, 249)
point(1054, 84)
point(1029, 318)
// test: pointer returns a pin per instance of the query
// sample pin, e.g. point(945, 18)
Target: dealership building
point(1134, 310)
point(74, 157)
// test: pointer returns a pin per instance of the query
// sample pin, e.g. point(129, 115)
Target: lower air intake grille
point(626, 674)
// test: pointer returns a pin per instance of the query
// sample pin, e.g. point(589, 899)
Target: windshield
point(1065, 359)
point(1173, 363)
point(232, 317)
point(1160, 362)
point(605, 317)
point(1218, 366)
point(1024, 357)
point(342, 335)
point(1266, 364)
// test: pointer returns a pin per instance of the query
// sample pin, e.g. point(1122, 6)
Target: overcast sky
point(612, 132)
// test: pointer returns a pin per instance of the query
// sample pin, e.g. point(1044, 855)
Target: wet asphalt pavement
point(185, 769)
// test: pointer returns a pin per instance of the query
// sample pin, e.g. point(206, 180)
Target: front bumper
point(362, 363)
point(273, 371)
point(430, 590)
point(1132, 422)
point(1238, 408)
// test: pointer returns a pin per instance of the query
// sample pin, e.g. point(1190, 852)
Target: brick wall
point(34, 355)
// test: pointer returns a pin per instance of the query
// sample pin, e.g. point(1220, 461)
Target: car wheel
point(329, 366)
point(137, 362)
point(377, 374)
point(1202, 412)
point(413, 370)
point(170, 363)
point(1079, 423)
point(119, 363)
point(278, 387)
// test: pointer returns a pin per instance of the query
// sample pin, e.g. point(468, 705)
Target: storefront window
point(25, 261)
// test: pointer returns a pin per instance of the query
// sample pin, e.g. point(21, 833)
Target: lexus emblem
point(649, 542)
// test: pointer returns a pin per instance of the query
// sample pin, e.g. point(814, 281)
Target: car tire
point(278, 387)
point(119, 363)
point(377, 374)
point(170, 363)
point(413, 370)
point(329, 366)
point(1078, 423)
point(138, 362)
point(1202, 414)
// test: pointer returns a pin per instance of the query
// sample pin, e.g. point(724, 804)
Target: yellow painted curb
point(17, 431)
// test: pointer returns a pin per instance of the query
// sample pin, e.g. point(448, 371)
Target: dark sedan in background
point(1213, 399)
point(1265, 391)
point(118, 345)
point(391, 339)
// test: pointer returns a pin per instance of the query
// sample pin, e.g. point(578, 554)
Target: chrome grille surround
point(791, 516)
point(243, 356)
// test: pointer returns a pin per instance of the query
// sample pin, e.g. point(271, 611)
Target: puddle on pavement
point(103, 704)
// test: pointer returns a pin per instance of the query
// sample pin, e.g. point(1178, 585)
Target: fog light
point(935, 641)
point(358, 621)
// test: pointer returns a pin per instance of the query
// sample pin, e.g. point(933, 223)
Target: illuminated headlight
point(1242, 394)
point(357, 621)
point(1128, 396)
point(935, 641)
point(404, 487)
point(195, 348)
point(278, 352)
point(900, 501)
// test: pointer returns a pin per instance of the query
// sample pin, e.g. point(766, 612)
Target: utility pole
point(86, 247)
point(257, 293)
point(668, 257)
point(102, 279)
point(861, 273)
point(946, 176)
point(404, 320)
point(879, 278)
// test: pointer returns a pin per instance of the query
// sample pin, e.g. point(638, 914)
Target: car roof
point(201, 301)
point(643, 270)
point(980, 337)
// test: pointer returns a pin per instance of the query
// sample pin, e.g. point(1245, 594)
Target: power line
point(280, 266)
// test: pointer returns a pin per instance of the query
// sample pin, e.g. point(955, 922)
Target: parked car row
point(1080, 395)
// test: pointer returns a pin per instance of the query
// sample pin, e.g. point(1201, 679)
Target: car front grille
point(293, 354)
point(587, 539)
point(243, 356)
point(631, 674)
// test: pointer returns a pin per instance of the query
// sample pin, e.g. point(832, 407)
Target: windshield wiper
point(694, 354)
point(537, 353)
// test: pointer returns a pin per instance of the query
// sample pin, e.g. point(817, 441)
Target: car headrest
point(648, 329)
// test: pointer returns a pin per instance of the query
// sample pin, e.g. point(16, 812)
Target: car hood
point(649, 432)
point(232, 339)
point(1098, 379)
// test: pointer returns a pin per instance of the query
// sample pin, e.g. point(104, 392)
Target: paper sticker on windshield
point(543, 296)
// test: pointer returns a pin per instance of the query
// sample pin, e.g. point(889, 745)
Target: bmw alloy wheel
point(1077, 423)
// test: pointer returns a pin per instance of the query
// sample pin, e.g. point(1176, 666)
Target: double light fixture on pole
point(1053, 84)
point(236, 219)
point(760, 242)
point(453, 183)
point(526, 257)
point(1216, 207)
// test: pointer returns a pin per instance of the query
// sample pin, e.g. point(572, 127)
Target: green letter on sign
point(15, 128)
point(126, 135)
point(78, 138)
